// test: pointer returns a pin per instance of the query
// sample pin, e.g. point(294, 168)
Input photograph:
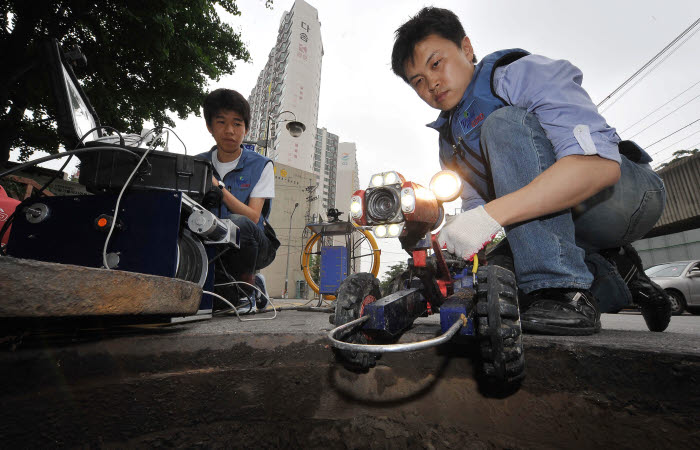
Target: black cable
point(675, 143)
point(669, 135)
point(651, 61)
point(162, 128)
point(647, 115)
point(659, 120)
point(106, 127)
point(64, 154)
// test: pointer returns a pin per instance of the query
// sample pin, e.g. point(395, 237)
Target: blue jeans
point(550, 251)
point(256, 251)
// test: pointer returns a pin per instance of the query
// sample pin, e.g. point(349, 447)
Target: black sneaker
point(562, 312)
point(654, 303)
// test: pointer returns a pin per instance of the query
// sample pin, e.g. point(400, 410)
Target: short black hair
point(226, 99)
point(429, 20)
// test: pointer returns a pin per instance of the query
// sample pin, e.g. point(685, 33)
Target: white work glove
point(469, 232)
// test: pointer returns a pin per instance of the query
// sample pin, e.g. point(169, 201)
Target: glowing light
point(380, 231)
point(394, 229)
point(355, 207)
point(377, 180)
point(391, 178)
point(446, 185)
point(408, 200)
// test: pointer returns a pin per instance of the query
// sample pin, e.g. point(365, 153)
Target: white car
point(681, 280)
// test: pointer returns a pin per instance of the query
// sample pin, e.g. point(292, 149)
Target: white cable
point(235, 309)
point(116, 208)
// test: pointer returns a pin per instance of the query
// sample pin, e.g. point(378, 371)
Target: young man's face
point(228, 129)
point(440, 71)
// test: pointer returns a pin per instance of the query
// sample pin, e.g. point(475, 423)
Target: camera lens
point(382, 204)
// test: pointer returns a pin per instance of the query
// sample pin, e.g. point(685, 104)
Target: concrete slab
point(37, 289)
point(274, 383)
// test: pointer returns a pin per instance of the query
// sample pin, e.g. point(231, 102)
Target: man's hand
point(469, 232)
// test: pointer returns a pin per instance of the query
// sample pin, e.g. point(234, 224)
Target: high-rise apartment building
point(325, 168)
point(290, 82)
point(348, 177)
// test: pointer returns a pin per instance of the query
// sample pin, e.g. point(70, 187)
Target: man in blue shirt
point(537, 159)
point(247, 184)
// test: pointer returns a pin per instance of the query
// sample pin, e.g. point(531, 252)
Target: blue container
point(334, 268)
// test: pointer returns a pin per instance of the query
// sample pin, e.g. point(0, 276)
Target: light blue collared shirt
point(551, 90)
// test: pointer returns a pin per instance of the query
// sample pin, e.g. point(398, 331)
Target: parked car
point(681, 279)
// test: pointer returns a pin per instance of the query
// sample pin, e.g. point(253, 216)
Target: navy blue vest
point(460, 129)
point(241, 181)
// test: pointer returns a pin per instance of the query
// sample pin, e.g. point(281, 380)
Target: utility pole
point(310, 198)
point(289, 250)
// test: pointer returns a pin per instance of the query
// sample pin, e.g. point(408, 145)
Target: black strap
point(504, 61)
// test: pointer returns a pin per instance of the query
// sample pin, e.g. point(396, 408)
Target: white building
point(325, 168)
point(290, 81)
point(348, 180)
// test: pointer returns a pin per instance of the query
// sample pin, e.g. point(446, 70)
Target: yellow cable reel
point(306, 258)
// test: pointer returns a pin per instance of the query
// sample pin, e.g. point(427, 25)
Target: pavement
point(275, 383)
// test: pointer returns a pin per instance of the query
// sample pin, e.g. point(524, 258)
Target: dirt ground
point(287, 391)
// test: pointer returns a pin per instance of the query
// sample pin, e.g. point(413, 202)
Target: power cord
point(235, 309)
point(160, 129)
point(116, 208)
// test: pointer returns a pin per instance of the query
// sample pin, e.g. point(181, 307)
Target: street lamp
point(294, 127)
point(289, 250)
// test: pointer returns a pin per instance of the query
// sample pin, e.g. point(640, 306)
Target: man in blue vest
point(247, 184)
point(537, 159)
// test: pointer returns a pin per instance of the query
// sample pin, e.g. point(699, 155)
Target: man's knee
point(243, 223)
point(502, 122)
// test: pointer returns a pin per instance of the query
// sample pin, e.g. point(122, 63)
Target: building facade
point(288, 87)
point(348, 180)
point(325, 169)
point(291, 187)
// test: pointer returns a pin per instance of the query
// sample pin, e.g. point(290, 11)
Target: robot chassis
point(479, 302)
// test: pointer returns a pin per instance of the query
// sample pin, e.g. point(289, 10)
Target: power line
point(650, 62)
point(672, 156)
point(677, 142)
point(652, 112)
point(656, 66)
point(657, 122)
point(669, 135)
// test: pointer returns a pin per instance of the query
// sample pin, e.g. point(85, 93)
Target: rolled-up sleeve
point(552, 91)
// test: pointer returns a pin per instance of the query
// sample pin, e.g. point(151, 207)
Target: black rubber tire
point(498, 326)
point(694, 310)
point(678, 304)
point(353, 291)
point(397, 283)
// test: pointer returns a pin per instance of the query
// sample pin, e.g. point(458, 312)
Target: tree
point(315, 268)
point(678, 155)
point(394, 271)
point(145, 58)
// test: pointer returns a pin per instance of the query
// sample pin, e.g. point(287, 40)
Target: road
point(633, 321)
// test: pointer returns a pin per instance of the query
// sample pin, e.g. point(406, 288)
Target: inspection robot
point(473, 301)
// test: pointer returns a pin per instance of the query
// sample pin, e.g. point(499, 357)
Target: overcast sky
point(362, 101)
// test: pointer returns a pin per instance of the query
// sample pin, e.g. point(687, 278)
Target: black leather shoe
point(652, 300)
point(562, 312)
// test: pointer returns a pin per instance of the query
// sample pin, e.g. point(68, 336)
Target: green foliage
point(145, 58)
point(678, 155)
point(315, 268)
point(394, 271)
